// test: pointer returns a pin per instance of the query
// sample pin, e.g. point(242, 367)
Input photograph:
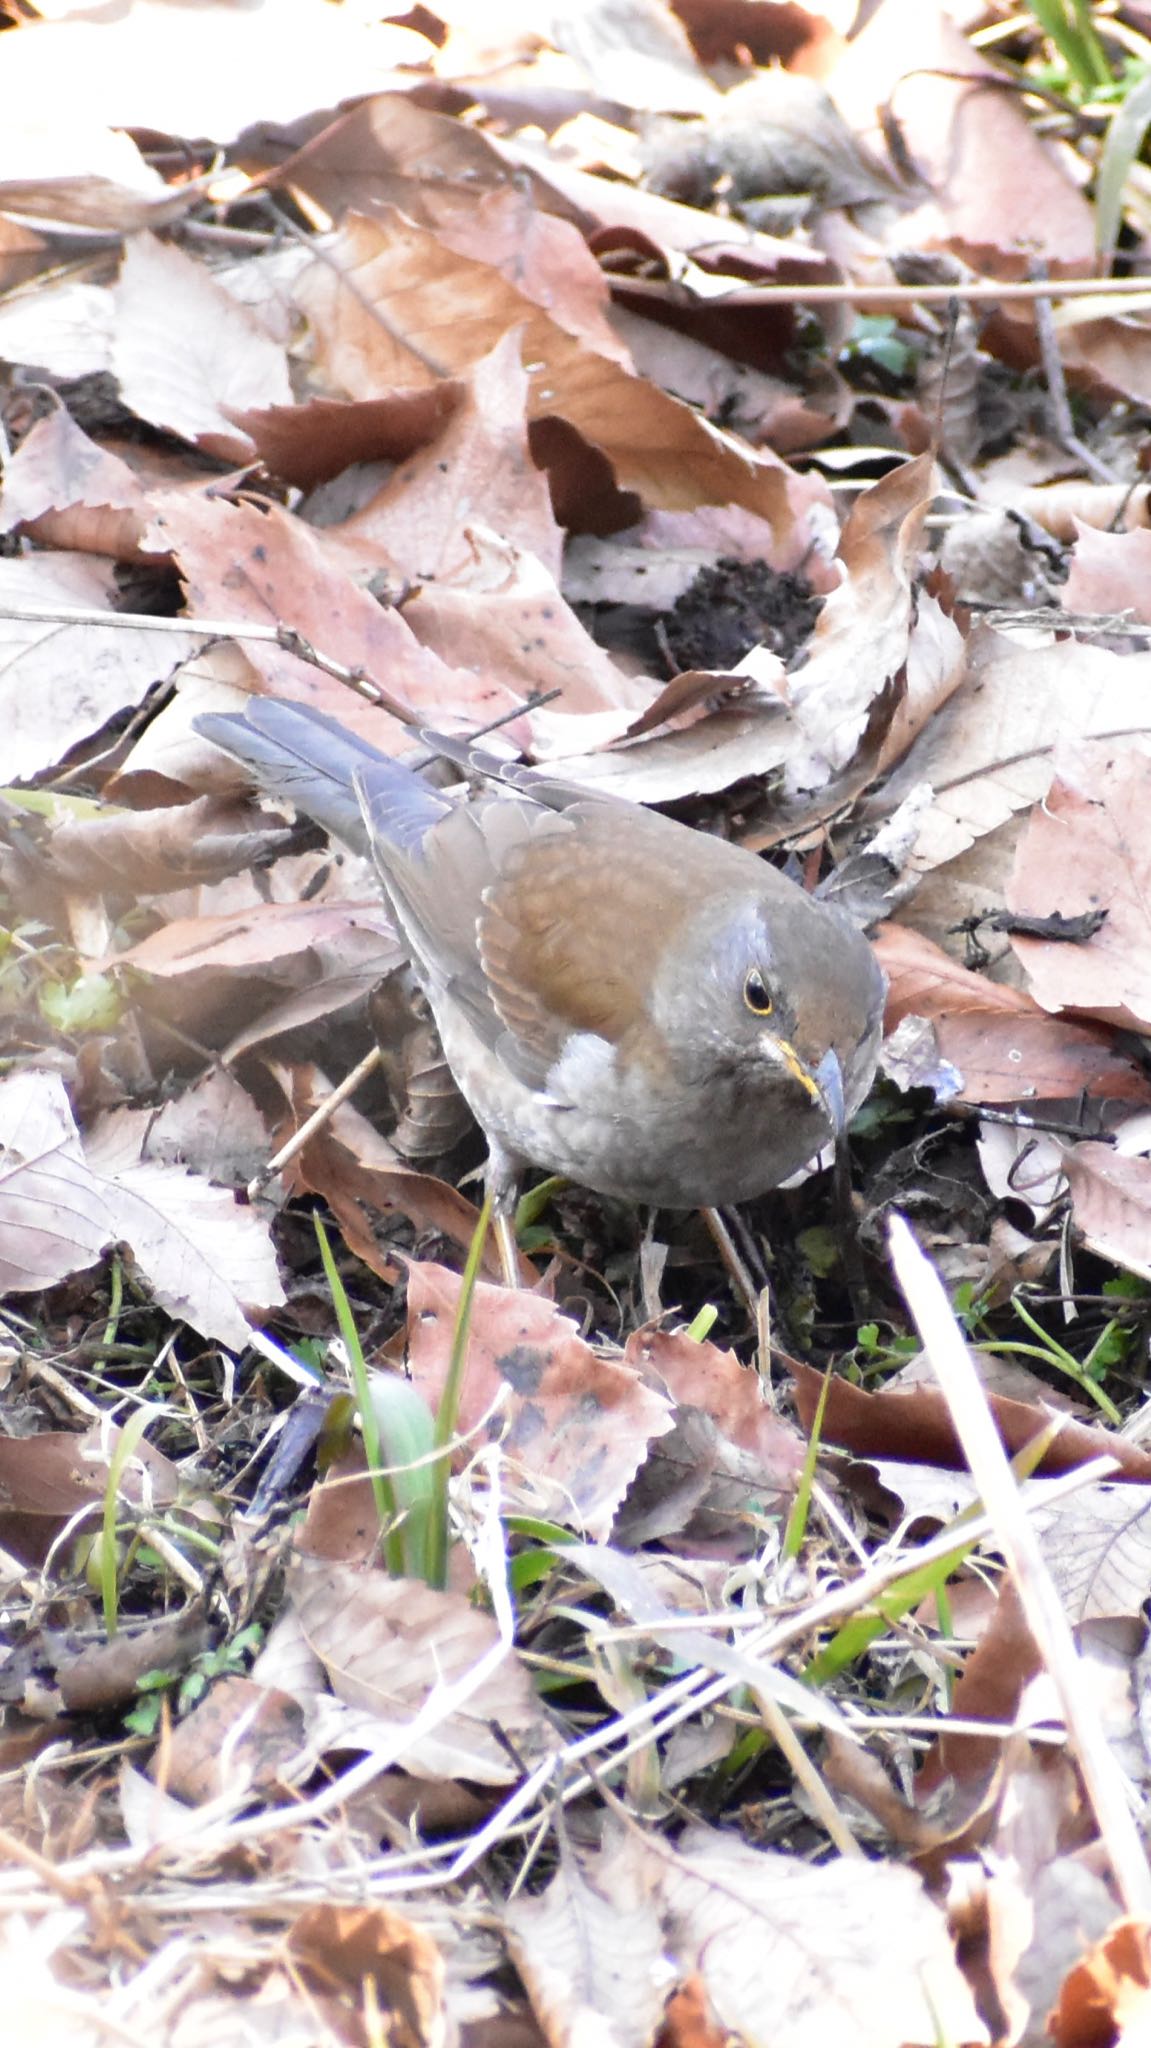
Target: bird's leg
point(501, 1178)
point(847, 1229)
point(737, 1270)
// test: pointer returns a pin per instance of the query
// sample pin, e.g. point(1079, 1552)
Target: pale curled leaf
point(987, 753)
point(1097, 1547)
point(1088, 847)
point(392, 1647)
point(590, 1951)
point(1111, 1202)
point(206, 1258)
point(861, 638)
point(64, 1207)
point(61, 682)
point(185, 352)
point(53, 1213)
point(796, 1955)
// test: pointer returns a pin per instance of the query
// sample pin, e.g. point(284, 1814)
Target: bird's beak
point(828, 1078)
point(824, 1084)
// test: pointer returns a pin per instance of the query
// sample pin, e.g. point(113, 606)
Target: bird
point(649, 1010)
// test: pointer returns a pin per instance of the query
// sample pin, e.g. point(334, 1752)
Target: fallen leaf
point(242, 564)
point(915, 1424)
point(590, 1948)
point(864, 633)
point(1111, 1203)
point(207, 1259)
point(1087, 847)
point(62, 682)
point(392, 1646)
point(763, 1930)
point(1109, 572)
point(987, 753)
point(998, 198)
point(577, 1425)
point(185, 353)
point(66, 491)
point(347, 1948)
point(1107, 1996)
point(393, 305)
point(1002, 1045)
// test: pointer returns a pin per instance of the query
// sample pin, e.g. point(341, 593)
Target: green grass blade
point(382, 1490)
point(447, 1414)
point(125, 1447)
point(1124, 140)
point(801, 1505)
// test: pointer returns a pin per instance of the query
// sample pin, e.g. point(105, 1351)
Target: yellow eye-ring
point(755, 994)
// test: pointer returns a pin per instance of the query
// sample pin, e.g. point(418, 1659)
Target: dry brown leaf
point(914, 1424)
point(987, 753)
point(152, 852)
point(476, 469)
point(864, 634)
point(240, 563)
point(46, 1479)
point(95, 1676)
point(264, 933)
point(1004, 1047)
point(311, 443)
point(241, 1737)
point(765, 410)
point(989, 1688)
point(53, 1208)
point(576, 1426)
point(702, 1376)
point(64, 327)
point(1107, 355)
point(363, 1179)
point(619, 214)
point(1107, 1996)
point(998, 197)
point(1097, 1544)
point(207, 1260)
point(1087, 847)
point(1110, 572)
point(348, 1948)
point(213, 1127)
point(390, 1646)
point(392, 304)
point(65, 491)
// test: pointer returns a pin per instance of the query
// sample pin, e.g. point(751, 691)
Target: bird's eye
point(756, 994)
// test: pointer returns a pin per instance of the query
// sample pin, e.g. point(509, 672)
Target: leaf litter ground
point(598, 392)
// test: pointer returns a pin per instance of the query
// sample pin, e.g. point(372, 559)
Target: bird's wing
point(570, 939)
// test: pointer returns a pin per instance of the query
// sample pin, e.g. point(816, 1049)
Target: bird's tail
point(301, 756)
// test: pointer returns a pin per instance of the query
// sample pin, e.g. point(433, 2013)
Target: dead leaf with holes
point(1002, 1045)
point(575, 1427)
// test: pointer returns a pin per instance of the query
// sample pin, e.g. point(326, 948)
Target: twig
point(983, 292)
point(1063, 423)
point(313, 1123)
